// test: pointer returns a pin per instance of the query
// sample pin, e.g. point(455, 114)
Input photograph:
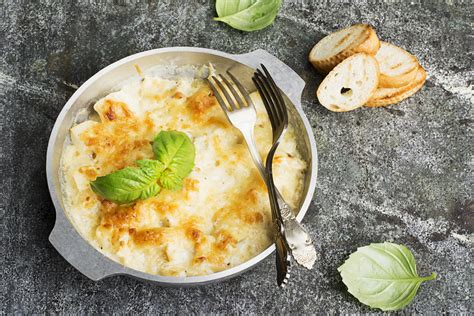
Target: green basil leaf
point(170, 180)
point(153, 168)
point(176, 152)
point(258, 15)
point(129, 184)
point(229, 7)
point(175, 155)
point(382, 276)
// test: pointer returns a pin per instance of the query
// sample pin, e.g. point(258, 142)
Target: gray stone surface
point(401, 174)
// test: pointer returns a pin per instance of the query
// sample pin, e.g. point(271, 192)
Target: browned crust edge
point(367, 43)
point(400, 94)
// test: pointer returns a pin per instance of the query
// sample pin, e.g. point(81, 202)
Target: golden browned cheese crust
point(219, 218)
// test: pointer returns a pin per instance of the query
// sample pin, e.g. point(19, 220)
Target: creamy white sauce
point(221, 218)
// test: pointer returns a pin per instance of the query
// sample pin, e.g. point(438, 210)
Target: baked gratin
point(220, 217)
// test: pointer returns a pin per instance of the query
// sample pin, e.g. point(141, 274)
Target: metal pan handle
point(286, 78)
point(79, 253)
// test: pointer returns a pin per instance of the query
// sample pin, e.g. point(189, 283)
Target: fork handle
point(285, 209)
point(299, 241)
point(296, 239)
point(281, 244)
point(282, 261)
point(247, 133)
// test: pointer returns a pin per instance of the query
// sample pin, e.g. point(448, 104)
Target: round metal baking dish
point(65, 238)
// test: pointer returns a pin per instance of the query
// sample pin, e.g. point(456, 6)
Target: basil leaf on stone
point(229, 7)
point(176, 153)
point(128, 185)
point(382, 276)
point(255, 16)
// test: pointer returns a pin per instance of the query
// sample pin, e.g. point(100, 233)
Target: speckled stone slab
point(400, 174)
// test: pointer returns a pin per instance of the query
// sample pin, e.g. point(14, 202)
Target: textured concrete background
point(401, 174)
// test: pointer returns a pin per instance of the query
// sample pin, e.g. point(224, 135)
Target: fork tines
point(272, 98)
point(229, 98)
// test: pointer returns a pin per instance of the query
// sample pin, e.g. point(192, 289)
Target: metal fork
point(241, 113)
point(298, 239)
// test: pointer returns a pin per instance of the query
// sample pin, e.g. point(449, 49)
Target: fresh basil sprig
point(247, 15)
point(128, 184)
point(382, 276)
point(174, 153)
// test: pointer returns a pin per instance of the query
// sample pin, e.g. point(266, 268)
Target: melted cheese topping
point(219, 219)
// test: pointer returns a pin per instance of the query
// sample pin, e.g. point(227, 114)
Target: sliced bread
point(350, 84)
point(387, 96)
point(337, 46)
point(397, 66)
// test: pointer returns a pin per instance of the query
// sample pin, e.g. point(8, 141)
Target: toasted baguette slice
point(397, 66)
point(334, 48)
point(350, 84)
point(387, 96)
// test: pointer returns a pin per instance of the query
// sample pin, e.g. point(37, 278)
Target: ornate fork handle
point(286, 211)
point(298, 239)
point(282, 248)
